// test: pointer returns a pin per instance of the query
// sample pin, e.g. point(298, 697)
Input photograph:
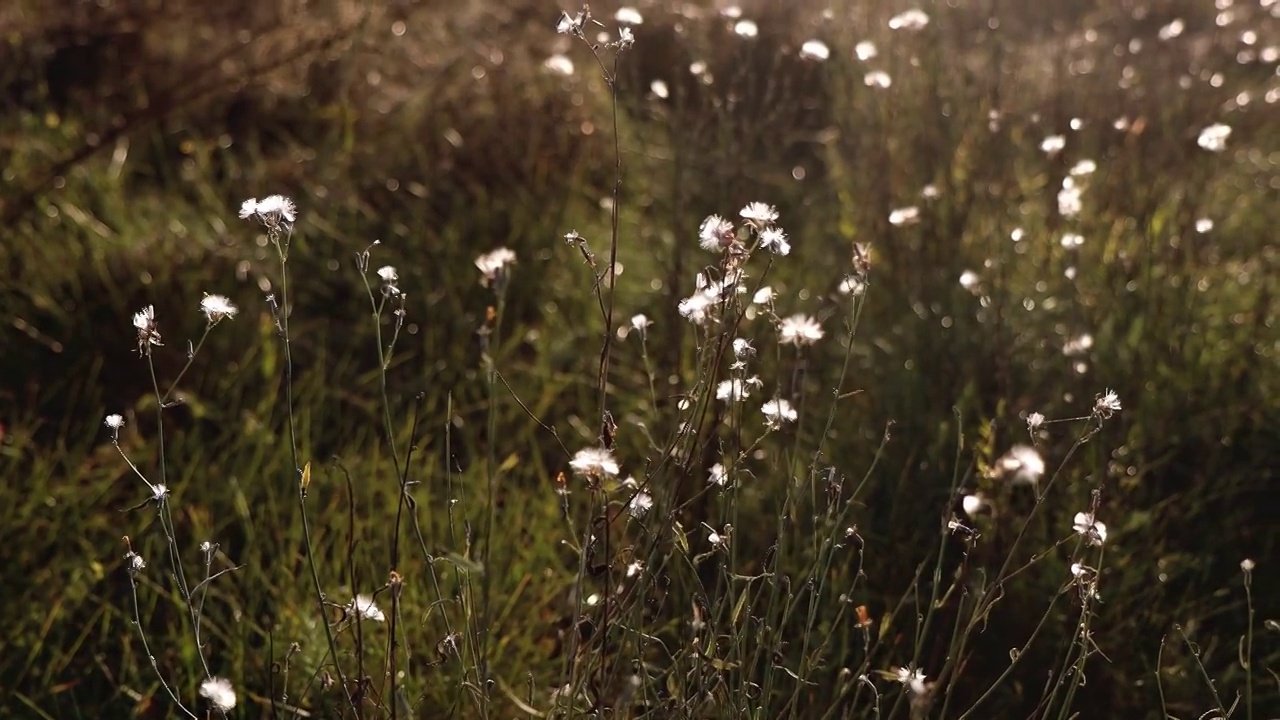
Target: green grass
point(437, 446)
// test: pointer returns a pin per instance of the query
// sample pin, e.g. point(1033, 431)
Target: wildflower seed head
point(1247, 565)
point(216, 308)
point(717, 475)
point(365, 607)
point(115, 422)
point(640, 323)
point(1106, 405)
point(1034, 421)
point(134, 563)
point(1090, 528)
point(144, 321)
point(275, 212)
point(159, 492)
point(778, 412)
point(853, 286)
point(759, 215)
point(626, 39)
point(799, 330)
point(640, 504)
point(716, 234)
point(775, 240)
point(742, 348)
point(573, 24)
point(912, 679)
point(865, 50)
point(736, 389)
point(594, 463)
point(219, 692)
point(815, 50)
point(495, 267)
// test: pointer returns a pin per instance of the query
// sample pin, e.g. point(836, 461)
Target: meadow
point(848, 359)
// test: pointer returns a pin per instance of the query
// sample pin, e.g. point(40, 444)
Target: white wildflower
point(736, 389)
point(1106, 405)
point(272, 211)
point(718, 475)
point(913, 680)
point(742, 348)
point(698, 307)
point(716, 233)
point(746, 29)
point(763, 296)
point(594, 463)
point(865, 50)
point(759, 215)
point(799, 330)
point(640, 323)
point(1034, 421)
point(219, 692)
point(776, 240)
point(1204, 225)
point(144, 321)
point(217, 307)
point(640, 504)
point(1092, 529)
point(853, 285)
point(778, 411)
point(571, 25)
point(134, 563)
point(115, 422)
point(365, 607)
point(494, 266)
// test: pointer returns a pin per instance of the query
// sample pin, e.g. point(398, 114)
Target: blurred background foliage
point(131, 130)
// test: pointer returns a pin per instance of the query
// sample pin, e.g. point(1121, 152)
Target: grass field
point(847, 360)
